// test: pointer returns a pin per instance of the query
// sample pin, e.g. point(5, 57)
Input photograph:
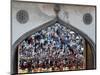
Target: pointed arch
point(67, 25)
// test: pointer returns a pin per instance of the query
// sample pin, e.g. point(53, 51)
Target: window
point(55, 48)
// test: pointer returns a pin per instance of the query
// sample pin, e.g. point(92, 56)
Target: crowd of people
point(55, 48)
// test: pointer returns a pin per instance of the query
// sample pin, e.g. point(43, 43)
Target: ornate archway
point(85, 52)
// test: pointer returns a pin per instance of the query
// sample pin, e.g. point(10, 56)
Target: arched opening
point(54, 46)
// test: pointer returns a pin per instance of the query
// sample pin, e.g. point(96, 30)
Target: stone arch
point(14, 53)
